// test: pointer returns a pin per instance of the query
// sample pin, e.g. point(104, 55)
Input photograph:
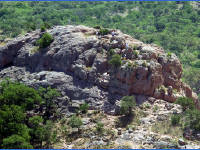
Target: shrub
point(186, 103)
point(97, 27)
point(75, 122)
point(126, 105)
point(160, 26)
point(129, 65)
point(162, 88)
point(84, 108)
point(135, 53)
point(49, 95)
point(32, 26)
point(169, 54)
point(45, 40)
point(35, 121)
point(175, 119)
point(111, 52)
point(193, 119)
point(155, 108)
point(144, 64)
point(42, 28)
point(103, 31)
point(116, 60)
point(191, 114)
point(47, 25)
point(135, 47)
point(196, 64)
point(99, 127)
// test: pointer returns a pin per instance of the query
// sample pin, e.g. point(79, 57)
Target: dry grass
point(35, 49)
point(2, 44)
point(165, 127)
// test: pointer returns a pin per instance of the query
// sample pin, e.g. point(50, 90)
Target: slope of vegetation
point(24, 116)
point(172, 25)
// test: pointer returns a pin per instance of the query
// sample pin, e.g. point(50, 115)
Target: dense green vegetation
point(84, 108)
point(20, 127)
point(75, 121)
point(99, 127)
point(127, 104)
point(115, 61)
point(186, 103)
point(172, 25)
point(45, 40)
point(190, 117)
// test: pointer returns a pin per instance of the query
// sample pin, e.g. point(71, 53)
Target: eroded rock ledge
point(76, 63)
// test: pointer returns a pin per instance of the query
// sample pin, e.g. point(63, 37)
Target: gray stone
point(181, 142)
point(86, 121)
point(138, 137)
point(126, 136)
point(130, 130)
point(161, 118)
point(75, 130)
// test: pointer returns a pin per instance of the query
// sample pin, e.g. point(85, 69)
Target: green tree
point(19, 94)
point(15, 126)
point(42, 28)
point(103, 31)
point(111, 52)
point(193, 119)
point(48, 134)
point(175, 119)
point(16, 142)
point(37, 130)
point(127, 104)
point(116, 61)
point(160, 26)
point(12, 121)
point(186, 103)
point(45, 40)
point(49, 95)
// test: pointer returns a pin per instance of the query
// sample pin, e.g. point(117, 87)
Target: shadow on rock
point(124, 121)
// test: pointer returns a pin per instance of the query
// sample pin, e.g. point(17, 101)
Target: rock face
point(76, 63)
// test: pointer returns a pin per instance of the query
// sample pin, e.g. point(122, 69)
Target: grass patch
point(165, 127)
point(35, 49)
point(2, 43)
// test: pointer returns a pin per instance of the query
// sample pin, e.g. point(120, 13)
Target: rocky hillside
point(99, 67)
point(77, 64)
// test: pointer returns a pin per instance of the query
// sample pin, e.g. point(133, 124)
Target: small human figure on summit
point(97, 33)
point(113, 33)
point(126, 46)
